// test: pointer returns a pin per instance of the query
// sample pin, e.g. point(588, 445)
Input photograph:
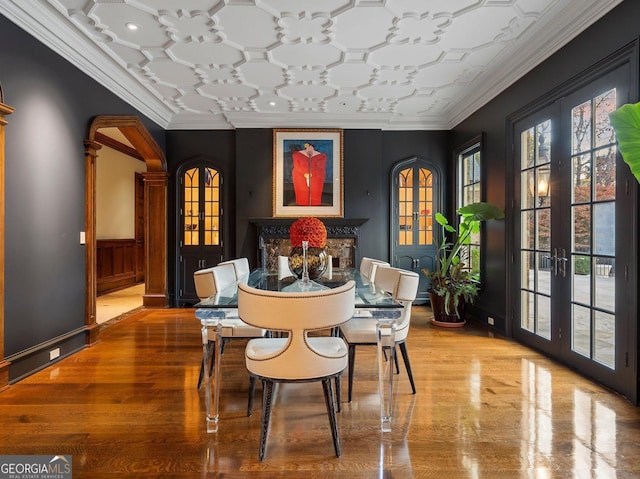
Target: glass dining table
point(371, 302)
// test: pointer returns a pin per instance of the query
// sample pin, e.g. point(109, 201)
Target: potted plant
point(452, 284)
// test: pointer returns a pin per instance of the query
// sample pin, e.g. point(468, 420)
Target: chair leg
point(395, 360)
point(331, 411)
point(267, 400)
point(338, 381)
point(252, 393)
point(407, 364)
point(352, 363)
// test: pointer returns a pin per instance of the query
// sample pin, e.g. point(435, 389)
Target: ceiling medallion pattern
point(389, 64)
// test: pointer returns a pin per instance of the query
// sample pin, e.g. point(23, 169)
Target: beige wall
point(115, 190)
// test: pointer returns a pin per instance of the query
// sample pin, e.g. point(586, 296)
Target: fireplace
point(342, 240)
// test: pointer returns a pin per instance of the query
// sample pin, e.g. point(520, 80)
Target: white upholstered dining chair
point(403, 287)
point(209, 282)
point(369, 266)
point(296, 356)
point(241, 266)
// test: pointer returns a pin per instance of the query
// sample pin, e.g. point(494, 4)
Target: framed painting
point(307, 172)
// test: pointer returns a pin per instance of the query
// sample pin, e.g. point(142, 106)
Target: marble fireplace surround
point(342, 240)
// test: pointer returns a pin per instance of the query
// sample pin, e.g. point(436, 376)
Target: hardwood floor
point(485, 407)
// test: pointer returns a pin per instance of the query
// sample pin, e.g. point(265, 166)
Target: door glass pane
point(604, 294)
point(604, 104)
point(544, 229)
point(405, 207)
point(604, 222)
point(543, 321)
point(528, 229)
point(581, 288)
point(544, 273)
point(581, 128)
point(605, 168)
point(528, 148)
point(581, 228)
point(211, 207)
point(425, 207)
point(190, 207)
point(581, 178)
point(527, 313)
point(581, 330)
point(528, 188)
point(604, 338)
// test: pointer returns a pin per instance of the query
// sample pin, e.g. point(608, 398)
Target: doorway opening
point(154, 213)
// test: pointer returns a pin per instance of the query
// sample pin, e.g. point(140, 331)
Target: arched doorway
point(155, 207)
point(415, 197)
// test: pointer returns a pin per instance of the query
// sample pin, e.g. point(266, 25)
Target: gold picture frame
point(307, 172)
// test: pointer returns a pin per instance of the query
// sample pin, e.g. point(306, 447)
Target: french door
point(575, 296)
point(414, 201)
point(199, 229)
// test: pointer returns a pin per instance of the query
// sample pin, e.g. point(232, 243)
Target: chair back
point(209, 281)
point(241, 266)
point(203, 280)
point(402, 285)
point(368, 266)
point(294, 357)
point(283, 267)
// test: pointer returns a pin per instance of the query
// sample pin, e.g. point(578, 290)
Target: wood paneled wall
point(116, 260)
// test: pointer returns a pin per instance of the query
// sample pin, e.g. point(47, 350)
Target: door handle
point(563, 263)
point(559, 262)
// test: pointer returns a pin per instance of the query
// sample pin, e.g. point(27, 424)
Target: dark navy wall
point(368, 158)
point(614, 31)
point(44, 198)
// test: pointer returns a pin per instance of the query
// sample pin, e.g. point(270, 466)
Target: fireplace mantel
point(342, 239)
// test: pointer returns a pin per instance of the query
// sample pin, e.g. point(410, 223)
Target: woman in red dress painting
point(308, 173)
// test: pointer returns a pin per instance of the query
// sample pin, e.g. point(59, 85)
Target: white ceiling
point(388, 64)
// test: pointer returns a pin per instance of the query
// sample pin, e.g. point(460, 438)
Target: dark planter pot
point(440, 316)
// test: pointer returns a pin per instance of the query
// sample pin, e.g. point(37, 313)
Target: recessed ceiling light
point(272, 103)
point(133, 26)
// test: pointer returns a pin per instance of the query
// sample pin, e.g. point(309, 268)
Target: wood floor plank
point(485, 407)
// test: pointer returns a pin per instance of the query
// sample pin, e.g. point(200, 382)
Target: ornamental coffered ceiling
point(388, 64)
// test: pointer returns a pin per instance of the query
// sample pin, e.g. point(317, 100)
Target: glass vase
point(317, 260)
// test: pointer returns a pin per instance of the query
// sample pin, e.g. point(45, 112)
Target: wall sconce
point(544, 186)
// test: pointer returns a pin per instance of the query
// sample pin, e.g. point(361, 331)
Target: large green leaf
point(626, 123)
point(481, 211)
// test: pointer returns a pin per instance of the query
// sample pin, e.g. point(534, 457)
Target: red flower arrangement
point(308, 229)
